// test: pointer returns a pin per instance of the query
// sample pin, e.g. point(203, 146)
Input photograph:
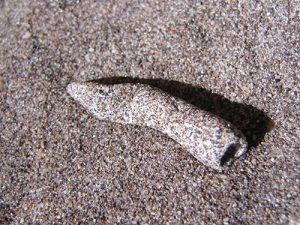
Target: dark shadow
point(252, 122)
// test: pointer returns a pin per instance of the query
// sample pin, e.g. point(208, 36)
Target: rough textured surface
point(58, 163)
point(210, 139)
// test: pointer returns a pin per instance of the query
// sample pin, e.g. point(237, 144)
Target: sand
point(60, 165)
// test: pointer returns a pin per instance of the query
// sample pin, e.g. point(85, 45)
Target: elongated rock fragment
point(210, 139)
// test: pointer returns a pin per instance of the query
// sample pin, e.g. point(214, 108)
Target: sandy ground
point(60, 165)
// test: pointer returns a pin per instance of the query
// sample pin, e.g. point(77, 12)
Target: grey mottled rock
point(210, 139)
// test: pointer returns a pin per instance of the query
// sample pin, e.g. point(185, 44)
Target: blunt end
point(233, 151)
point(230, 154)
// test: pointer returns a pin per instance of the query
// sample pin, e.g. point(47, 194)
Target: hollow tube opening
point(229, 154)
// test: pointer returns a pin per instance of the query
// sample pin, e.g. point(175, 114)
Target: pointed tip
point(71, 87)
point(76, 89)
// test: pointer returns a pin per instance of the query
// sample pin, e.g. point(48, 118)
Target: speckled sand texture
point(207, 137)
point(236, 59)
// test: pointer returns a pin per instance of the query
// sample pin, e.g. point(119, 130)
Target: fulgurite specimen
point(210, 139)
